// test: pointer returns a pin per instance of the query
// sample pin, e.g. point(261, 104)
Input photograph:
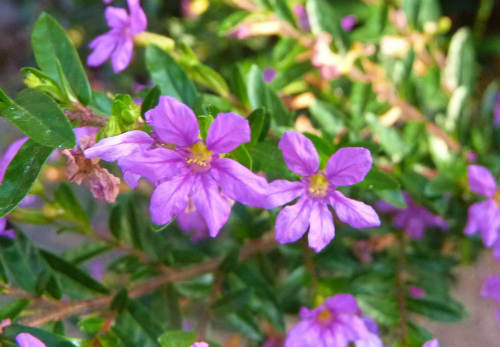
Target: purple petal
point(385, 207)
point(416, 292)
point(342, 303)
point(348, 166)
point(321, 230)
point(431, 343)
point(239, 183)
point(122, 55)
point(483, 217)
point(214, 208)
point(82, 132)
point(138, 19)
point(299, 153)
point(269, 74)
point(301, 13)
point(481, 181)
point(123, 145)
point(131, 178)
point(282, 192)
point(200, 344)
point(355, 213)
point(102, 47)
point(28, 340)
point(415, 228)
point(348, 22)
point(156, 165)
point(170, 198)
point(491, 288)
point(227, 131)
point(193, 221)
point(10, 153)
point(496, 249)
point(292, 221)
point(174, 122)
point(117, 18)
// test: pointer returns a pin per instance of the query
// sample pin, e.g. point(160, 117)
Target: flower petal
point(131, 178)
point(138, 19)
point(10, 153)
point(117, 18)
point(170, 198)
point(385, 207)
point(299, 153)
point(481, 180)
point(123, 145)
point(214, 208)
point(102, 47)
point(173, 122)
point(355, 213)
point(239, 183)
point(348, 166)
point(483, 217)
point(122, 55)
point(104, 185)
point(491, 288)
point(431, 343)
point(282, 192)
point(193, 221)
point(342, 303)
point(292, 221)
point(82, 132)
point(227, 131)
point(28, 340)
point(321, 230)
point(156, 165)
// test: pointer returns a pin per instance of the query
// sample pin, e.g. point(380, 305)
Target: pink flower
point(414, 219)
point(302, 16)
point(28, 340)
point(118, 42)
point(491, 290)
point(431, 343)
point(195, 171)
point(269, 74)
point(348, 22)
point(200, 344)
point(335, 323)
point(317, 189)
point(416, 292)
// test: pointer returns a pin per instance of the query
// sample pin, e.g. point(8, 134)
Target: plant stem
point(400, 287)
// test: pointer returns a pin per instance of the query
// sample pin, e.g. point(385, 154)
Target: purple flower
point(348, 22)
point(191, 221)
point(28, 340)
point(317, 189)
point(414, 219)
point(491, 290)
point(335, 323)
point(496, 111)
point(431, 343)
point(416, 292)
point(484, 216)
point(195, 171)
point(471, 156)
point(118, 43)
point(269, 74)
point(200, 344)
point(4, 231)
point(302, 16)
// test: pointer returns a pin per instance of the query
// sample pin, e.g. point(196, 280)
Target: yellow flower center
point(200, 155)
point(318, 185)
point(496, 198)
point(325, 316)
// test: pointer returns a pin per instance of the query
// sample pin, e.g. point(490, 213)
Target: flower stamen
point(318, 185)
point(200, 156)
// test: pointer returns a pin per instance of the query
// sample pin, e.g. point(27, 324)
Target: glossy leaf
point(51, 44)
point(177, 338)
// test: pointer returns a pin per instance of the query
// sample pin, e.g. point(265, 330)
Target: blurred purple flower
point(484, 216)
point(471, 156)
point(414, 219)
point(4, 231)
point(431, 343)
point(348, 22)
point(301, 13)
point(191, 221)
point(241, 32)
point(317, 189)
point(28, 340)
point(195, 170)
point(335, 323)
point(118, 43)
point(269, 74)
point(416, 292)
point(108, 1)
point(496, 111)
point(491, 290)
point(200, 344)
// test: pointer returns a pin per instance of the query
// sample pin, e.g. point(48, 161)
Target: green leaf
point(261, 96)
point(232, 301)
point(91, 325)
point(150, 100)
point(204, 123)
point(36, 79)
point(169, 76)
point(324, 18)
point(388, 137)
point(242, 156)
point(268, 158)
point(231, 21)
point(461, 63)
point(260, 122)
point(52, 45)
point(76, 274)
point(439, 309)
point(66, 199)
point(328, 116)
point(177, 338)
point(239, 85)
point(39, 117)
point(50, 340)
point(13, 309)
point(143, 317)
point(379, 180)
point(283, 11)
point(208, 77)
point(21, 174)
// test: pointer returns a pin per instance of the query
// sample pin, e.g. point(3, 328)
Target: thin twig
point(68, 309)
point(400, 288)
point(85, 116)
